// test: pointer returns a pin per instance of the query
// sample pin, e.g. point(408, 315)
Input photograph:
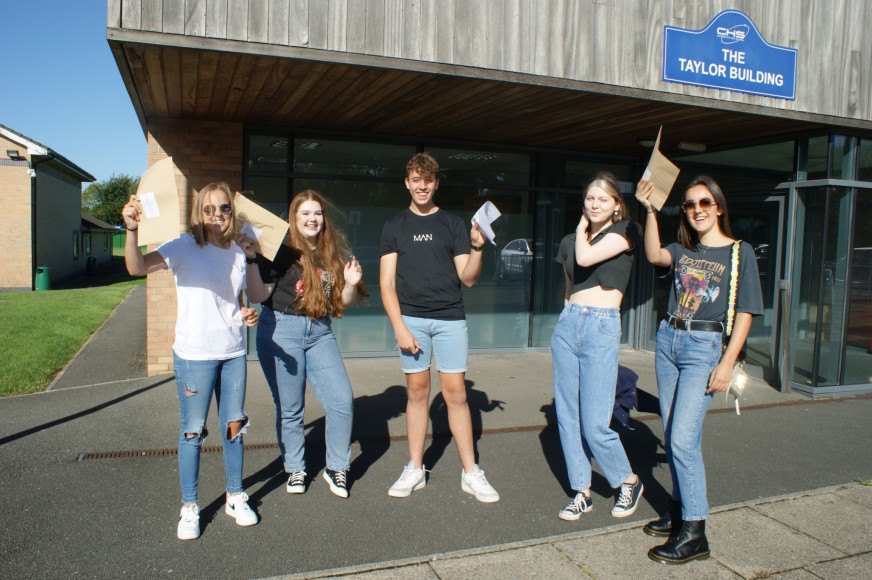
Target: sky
point(60, 86)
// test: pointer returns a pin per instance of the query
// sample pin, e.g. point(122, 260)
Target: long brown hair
point(607, 181)
point(330, 253)
point(198, 228)
point(687, 236)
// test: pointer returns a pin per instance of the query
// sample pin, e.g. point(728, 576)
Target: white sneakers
point(189, 522)
point(237, 508)
point(411, 480)
point(475, 483)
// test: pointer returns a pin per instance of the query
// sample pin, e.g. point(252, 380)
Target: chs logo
point(423, 237)
point(731, 35)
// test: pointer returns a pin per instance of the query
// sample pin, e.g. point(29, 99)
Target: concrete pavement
point(92, 489)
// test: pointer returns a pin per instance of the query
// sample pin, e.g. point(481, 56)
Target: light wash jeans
point(683, 363)
point(584, 354)
point(293, 349)
point(196, 380)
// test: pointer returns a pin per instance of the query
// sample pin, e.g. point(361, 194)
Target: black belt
point(688, 324)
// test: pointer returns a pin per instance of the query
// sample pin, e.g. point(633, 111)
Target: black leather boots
point(689, 544)
point(668, 525)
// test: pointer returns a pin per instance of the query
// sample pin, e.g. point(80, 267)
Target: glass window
point(77, 243)
point(820, 285)
point(816, 159)
point(864, 171)
point(107, 241)
point(268, 152)
point(351, 158)
point(766, 165)
point(271, 193)
point(843, 150)
point(482, 169)
point(858, 340)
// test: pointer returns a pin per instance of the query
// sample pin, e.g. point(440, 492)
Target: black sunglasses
point(705, 204)
point(223, 208)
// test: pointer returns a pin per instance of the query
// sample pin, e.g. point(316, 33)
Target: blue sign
point(729, 54)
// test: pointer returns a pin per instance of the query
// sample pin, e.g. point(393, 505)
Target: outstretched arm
point(137, 264)
point(653, 251)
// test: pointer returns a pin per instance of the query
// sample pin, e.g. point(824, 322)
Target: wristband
point(476, 248)
point(251, 260)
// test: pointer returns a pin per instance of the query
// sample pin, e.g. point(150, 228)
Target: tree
point(105, 199)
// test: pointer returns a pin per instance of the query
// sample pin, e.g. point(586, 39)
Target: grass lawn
point(41, 331)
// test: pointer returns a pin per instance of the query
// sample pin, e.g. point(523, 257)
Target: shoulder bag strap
point(734, 282)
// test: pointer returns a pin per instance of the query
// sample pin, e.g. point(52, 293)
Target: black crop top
point(612, 273)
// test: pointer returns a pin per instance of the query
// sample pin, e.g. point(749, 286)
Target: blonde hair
point(607, 181)
point(331, 252)
point(198, 228)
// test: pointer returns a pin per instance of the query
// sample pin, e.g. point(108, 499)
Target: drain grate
point(138, 454)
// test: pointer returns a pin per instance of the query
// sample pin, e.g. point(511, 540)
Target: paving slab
point(830, 519)
point(624, 554)
point(542, 561)
point(853, 567)
point(754, 545)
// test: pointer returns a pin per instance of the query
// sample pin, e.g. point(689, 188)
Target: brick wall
point(15, 240)
point(202, 152)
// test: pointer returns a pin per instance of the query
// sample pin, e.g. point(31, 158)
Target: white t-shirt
point(208, 282)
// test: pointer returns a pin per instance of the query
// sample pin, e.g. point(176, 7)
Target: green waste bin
point(43, 278)
point(92, 266)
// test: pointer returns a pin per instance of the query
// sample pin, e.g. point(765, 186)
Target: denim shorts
point(447, 339)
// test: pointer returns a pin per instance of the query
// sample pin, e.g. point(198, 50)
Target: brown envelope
point(662, 173)
point(261, 226)
point(159, 204)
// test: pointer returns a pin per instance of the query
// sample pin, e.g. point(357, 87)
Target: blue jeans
point(196, 380)
point(584, 354)
point(293, 349)
point(683, 363)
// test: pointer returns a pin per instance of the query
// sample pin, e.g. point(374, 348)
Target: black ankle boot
point(667, 525)
point(689, 544)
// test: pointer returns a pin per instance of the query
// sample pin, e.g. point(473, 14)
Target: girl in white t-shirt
point(209, 347)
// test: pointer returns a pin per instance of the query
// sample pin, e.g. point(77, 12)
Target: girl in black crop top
point(596, 260)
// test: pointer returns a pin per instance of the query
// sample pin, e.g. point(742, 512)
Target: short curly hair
point(424, 164)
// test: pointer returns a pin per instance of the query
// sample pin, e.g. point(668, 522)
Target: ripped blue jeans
point(196, 380)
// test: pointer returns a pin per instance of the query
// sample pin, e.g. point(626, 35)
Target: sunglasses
point(223, 208)
point(705, 204)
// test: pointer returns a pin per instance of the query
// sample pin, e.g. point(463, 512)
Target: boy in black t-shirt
point(425, 255)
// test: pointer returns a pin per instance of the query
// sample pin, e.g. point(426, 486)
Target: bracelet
point(129, 230)
point(251, 260)
point(476, 248)
point(651, 211)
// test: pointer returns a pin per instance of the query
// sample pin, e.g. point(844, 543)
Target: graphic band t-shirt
point(427, 281)
point(701, 278)
point(286, 272)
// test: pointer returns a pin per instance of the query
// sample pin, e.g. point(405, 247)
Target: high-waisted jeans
point(684, 362)
point(196, 380)
point(584, 354)
point(293, 349)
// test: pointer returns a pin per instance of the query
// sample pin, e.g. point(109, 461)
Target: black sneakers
point(628, 499)
point(338, 481)
point(581, 504)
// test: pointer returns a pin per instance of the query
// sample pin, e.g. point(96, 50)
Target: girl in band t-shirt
point(689, 364)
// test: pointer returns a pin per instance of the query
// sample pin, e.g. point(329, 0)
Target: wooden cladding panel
point(604, 41)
